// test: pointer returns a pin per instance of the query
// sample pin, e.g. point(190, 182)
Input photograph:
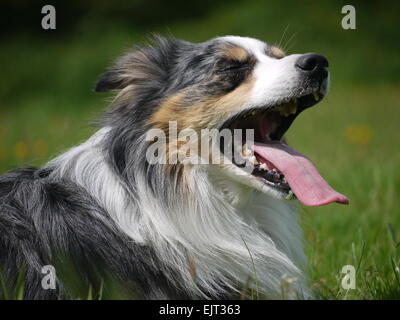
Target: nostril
point(312, 61)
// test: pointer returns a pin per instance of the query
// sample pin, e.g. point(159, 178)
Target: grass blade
point(19, 289)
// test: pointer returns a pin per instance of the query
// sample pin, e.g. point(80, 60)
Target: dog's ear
point(108, 81)
point(120, 74)
point(138, 66)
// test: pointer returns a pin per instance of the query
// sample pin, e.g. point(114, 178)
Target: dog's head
point(229, 83)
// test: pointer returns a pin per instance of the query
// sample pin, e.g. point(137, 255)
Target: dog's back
point(57, 223)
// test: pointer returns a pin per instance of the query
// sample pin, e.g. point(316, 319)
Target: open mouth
point(276, 165)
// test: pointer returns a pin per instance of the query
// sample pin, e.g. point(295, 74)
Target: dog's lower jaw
point(240, 180)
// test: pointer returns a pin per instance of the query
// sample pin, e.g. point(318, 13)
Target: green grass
point(352, 136)
point(363, 165)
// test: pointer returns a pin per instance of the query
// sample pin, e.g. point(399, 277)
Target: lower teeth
point(270, 175)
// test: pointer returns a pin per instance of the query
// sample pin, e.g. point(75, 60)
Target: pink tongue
point(303, 178)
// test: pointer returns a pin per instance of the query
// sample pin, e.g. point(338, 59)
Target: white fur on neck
point(229, 232)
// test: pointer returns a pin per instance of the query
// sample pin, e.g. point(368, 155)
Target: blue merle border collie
point(176, 231)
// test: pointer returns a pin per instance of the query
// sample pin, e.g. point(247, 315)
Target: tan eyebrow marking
point(236, 53)
point(275, 52)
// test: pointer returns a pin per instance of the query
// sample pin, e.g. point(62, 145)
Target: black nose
point(311, 62)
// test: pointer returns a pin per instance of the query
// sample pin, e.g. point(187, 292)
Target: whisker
point(288, 45)
point(283, 36)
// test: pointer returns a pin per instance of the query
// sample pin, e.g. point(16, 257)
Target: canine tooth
point(288, 108)
point(263, 166)
point(253, 113)
point(316, 95)
point(253, 160)
point(246, 152)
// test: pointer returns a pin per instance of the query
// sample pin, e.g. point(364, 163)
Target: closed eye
point(227, 65)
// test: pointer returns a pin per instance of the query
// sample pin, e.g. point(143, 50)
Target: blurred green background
point(46, 104)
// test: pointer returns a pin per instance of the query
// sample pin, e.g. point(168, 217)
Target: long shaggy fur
point(181, 233)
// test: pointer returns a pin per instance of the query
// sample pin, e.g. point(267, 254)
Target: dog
point(176, 230)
